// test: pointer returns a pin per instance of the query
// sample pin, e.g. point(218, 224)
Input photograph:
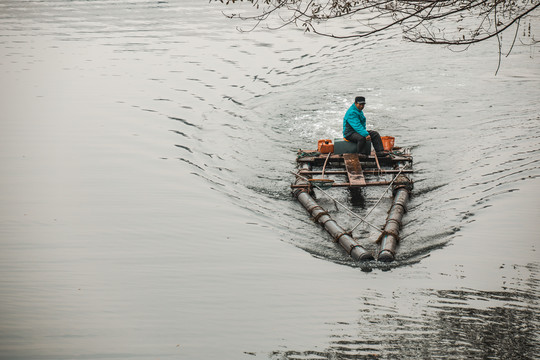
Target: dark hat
point(360, 99)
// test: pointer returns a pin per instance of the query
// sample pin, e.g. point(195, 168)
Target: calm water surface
point(146, 151)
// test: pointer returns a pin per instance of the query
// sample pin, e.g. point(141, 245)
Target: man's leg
point(376, 141)
point(359, 140)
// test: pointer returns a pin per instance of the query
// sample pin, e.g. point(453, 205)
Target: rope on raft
point(337, 202)
point(303, 154)
point(362, 220)
point(322, 182)
point(384, 193)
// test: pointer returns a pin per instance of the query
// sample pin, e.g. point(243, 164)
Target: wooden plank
point(349, 185)
point(327, 172)
point(366, 171)
point(318, 158)
point(354, 170)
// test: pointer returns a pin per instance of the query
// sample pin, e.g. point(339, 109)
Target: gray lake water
point(146, 151)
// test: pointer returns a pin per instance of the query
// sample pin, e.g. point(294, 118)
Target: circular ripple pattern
point(147, 149)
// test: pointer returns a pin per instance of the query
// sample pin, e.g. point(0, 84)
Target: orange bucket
point(325, 146)
point(388, 142)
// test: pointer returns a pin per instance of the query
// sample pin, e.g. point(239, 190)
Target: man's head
point(360, 102)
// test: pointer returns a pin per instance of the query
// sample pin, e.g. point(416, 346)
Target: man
point(354, 129)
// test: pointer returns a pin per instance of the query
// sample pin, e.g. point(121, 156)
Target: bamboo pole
point(355, 250)
point(390, 236)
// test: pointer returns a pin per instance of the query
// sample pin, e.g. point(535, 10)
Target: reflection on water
point(146, 209)
point(456, 324)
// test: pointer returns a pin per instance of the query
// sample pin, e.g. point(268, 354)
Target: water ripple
point(461, 324)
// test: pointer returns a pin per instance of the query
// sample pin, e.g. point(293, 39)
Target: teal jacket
point(354, 121)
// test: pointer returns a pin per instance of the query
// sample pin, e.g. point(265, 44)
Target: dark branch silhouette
point(443, 22)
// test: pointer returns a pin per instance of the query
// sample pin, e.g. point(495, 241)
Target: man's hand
point(368, 138)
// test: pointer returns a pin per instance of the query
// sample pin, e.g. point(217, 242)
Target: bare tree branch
point(443, 22)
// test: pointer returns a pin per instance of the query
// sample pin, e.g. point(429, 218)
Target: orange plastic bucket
point(388, 142)
point(325, 146)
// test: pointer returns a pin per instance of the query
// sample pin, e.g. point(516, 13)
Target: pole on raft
point(390, 236)
point(355, 250)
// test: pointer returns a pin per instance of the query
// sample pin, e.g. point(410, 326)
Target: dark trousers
point(361, 142)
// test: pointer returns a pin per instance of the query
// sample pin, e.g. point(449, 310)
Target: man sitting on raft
point(354, 129)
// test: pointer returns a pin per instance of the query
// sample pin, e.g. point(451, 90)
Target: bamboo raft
point(358, 171)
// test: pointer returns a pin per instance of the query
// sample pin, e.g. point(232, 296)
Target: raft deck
point(356, 171)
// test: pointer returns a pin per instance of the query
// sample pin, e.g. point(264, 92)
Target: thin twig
point(515, 37)
point(498, 41)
